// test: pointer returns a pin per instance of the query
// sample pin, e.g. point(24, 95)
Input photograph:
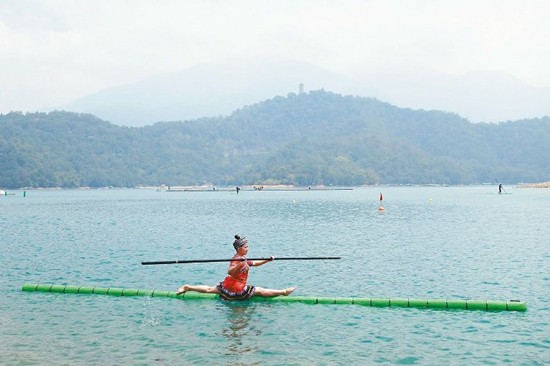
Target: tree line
point(307, 139)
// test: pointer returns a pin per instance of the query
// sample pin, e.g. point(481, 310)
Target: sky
point(53, 52)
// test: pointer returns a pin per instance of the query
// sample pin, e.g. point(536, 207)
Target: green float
point(511, 305)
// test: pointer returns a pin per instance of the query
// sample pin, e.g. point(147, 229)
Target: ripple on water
point(430, 242)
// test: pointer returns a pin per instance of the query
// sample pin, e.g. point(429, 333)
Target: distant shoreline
point(258, 188)
point(274, 187)
point(536, 185)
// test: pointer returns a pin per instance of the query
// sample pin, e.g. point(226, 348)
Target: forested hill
point(306, 139)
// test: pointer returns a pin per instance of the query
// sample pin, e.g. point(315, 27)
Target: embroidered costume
point(234, 286)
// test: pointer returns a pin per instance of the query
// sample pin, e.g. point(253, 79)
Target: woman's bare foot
point(289, 290)
point(182, 289)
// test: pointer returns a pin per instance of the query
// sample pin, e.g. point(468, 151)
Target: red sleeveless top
point(237, 281)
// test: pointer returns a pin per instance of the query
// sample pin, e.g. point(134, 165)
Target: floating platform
point(488, 305)
point(265, 189)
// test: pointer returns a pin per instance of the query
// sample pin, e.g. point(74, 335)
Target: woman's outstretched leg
point(198, 288)
point(267, 292)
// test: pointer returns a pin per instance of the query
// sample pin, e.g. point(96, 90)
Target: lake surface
point(430, 242)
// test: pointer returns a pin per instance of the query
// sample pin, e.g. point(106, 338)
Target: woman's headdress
point(239, 242)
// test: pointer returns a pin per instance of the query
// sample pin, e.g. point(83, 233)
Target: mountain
point(218, 88)
point(302, 139)
point(205, 90)
point(480, 96)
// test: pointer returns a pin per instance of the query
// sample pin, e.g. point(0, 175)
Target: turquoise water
point(430, 242)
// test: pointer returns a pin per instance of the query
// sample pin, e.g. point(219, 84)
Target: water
point(430, 242)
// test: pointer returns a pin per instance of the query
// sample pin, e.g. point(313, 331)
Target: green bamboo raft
point(511, 305)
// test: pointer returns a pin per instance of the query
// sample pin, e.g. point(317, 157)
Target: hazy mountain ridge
point(218, 88)
point(205, 90)
point(303, 139)
point(480, 96)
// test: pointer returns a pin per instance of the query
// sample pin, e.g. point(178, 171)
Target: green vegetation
point(306, 139)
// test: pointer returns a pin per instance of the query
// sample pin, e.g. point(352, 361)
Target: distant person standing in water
point(234, 287)
point(237, 189)
point(500, 188)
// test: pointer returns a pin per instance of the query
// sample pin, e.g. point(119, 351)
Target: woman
point(234, 287)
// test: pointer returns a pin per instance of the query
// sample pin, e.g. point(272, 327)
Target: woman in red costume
point(234, 287)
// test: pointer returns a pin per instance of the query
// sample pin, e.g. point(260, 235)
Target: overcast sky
point(55, 51)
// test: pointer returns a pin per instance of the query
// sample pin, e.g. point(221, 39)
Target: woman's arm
point(259, 263)
point(235, 267)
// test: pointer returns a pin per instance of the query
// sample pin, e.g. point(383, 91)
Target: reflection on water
point(240, 329)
